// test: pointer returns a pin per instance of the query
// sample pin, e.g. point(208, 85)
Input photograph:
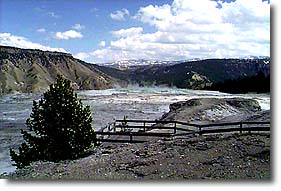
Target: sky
point(99, 31)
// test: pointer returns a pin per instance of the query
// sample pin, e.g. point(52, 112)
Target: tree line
point(259, 83)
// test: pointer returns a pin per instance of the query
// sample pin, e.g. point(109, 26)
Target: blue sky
point(111, 30)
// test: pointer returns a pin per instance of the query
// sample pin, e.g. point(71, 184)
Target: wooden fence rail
point(126, 132)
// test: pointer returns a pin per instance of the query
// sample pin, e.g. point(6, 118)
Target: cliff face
point(24, 70)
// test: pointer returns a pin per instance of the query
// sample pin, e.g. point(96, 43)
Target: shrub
point(59, 127)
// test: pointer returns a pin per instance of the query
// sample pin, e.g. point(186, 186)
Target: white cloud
point(47, 12)
point(127, 32)
point(7, 39)
point(189, 29)
point(68, 35)
point(120, 14)
point(52, 14)
point(41, 30)
point(154, 14)
point(82, 55)
point(102, 43)
point(94, 10)
point(78, 26)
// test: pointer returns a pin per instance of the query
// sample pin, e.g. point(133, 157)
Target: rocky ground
point(207, 110)
point(229, 156)
point(224, 157)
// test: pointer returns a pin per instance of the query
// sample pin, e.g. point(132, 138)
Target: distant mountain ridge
point(197, 74)
point(25, 70)
point(135, 63)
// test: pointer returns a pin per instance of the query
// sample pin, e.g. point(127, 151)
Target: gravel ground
point(222, 157)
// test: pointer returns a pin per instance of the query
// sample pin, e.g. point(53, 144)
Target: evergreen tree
point(59, 127)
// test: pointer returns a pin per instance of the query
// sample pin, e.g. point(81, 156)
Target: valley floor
point(228, 156)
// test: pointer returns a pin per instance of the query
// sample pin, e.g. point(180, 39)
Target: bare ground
point(219, 156)
point(224, 157)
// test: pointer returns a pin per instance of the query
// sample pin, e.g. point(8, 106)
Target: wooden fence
point(130, 130)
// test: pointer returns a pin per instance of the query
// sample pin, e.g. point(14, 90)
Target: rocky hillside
point(24, 70)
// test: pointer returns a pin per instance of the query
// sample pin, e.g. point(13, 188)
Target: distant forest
point(259, 83)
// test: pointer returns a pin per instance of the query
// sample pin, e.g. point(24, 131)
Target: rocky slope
point(24, 70)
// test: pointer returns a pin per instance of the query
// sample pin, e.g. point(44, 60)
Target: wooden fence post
point(241, 127)
point(102, 136)
point(131, 137)
point(175, 128)
point(144, 126)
